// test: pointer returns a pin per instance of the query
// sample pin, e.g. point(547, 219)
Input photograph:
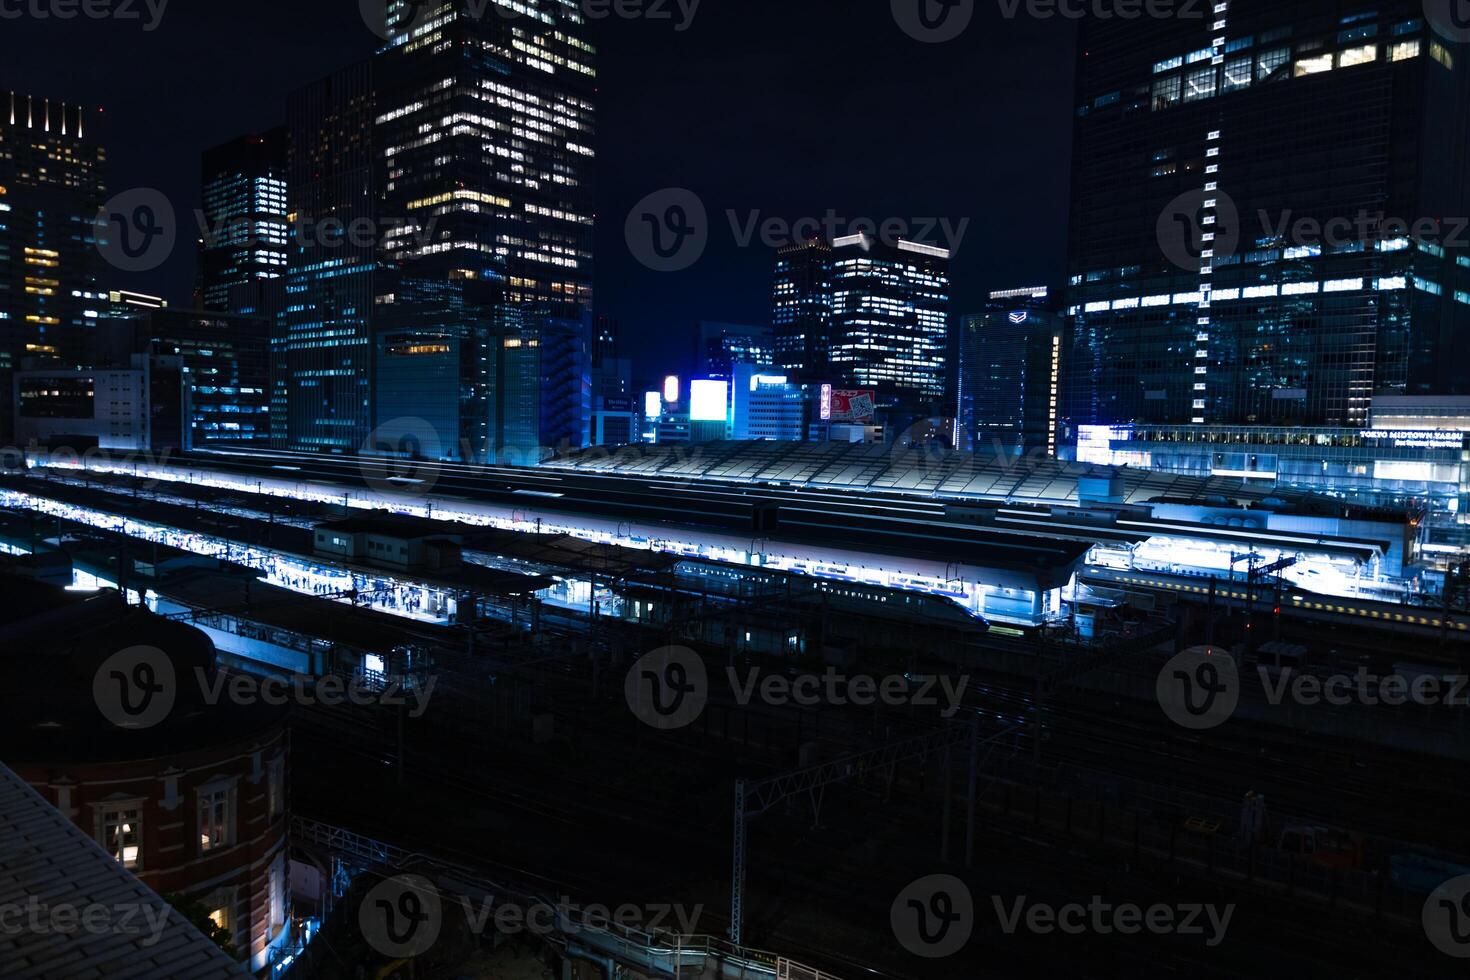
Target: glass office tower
point(485, 132)
point(245, 215)
point(801, 306)
point(890, 316)
point(51, 191)
point(324, 348)
point(225, 365)
point(1248, 236)
point(1009, 373)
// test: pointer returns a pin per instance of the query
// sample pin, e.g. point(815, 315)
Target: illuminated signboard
point(671, 390)
point(653, 405)
point(709, 401)
point(826, 403)
point(1419, 438)
point(852, 406)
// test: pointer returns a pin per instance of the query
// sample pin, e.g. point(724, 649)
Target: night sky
point(785, 108)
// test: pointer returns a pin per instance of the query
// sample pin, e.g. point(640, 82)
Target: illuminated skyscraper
point(245, 215)
point(721, 346)
point(483, 137)
point(801, 306)
point(324, 347)
point(1246, 189)
point(1008, 373)
point(485, 128)
point(51, 191)
point(890, 315)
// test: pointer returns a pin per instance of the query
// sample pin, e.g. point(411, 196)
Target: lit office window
point(1357, 56)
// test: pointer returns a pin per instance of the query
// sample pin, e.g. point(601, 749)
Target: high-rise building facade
point(1009, 372)
point(225, 362)
point(485, 132)
point(51, 193)
point(890, 317)
point(606, 340)
point(801, 306)
point(721, 346)
point(1255, 234)
point(483, 140)
point(324, 342)
point(245, 215)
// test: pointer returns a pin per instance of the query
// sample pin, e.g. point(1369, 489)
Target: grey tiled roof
point(49, 867)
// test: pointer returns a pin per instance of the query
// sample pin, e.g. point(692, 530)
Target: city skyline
point(777, 489)
point(652, 136)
